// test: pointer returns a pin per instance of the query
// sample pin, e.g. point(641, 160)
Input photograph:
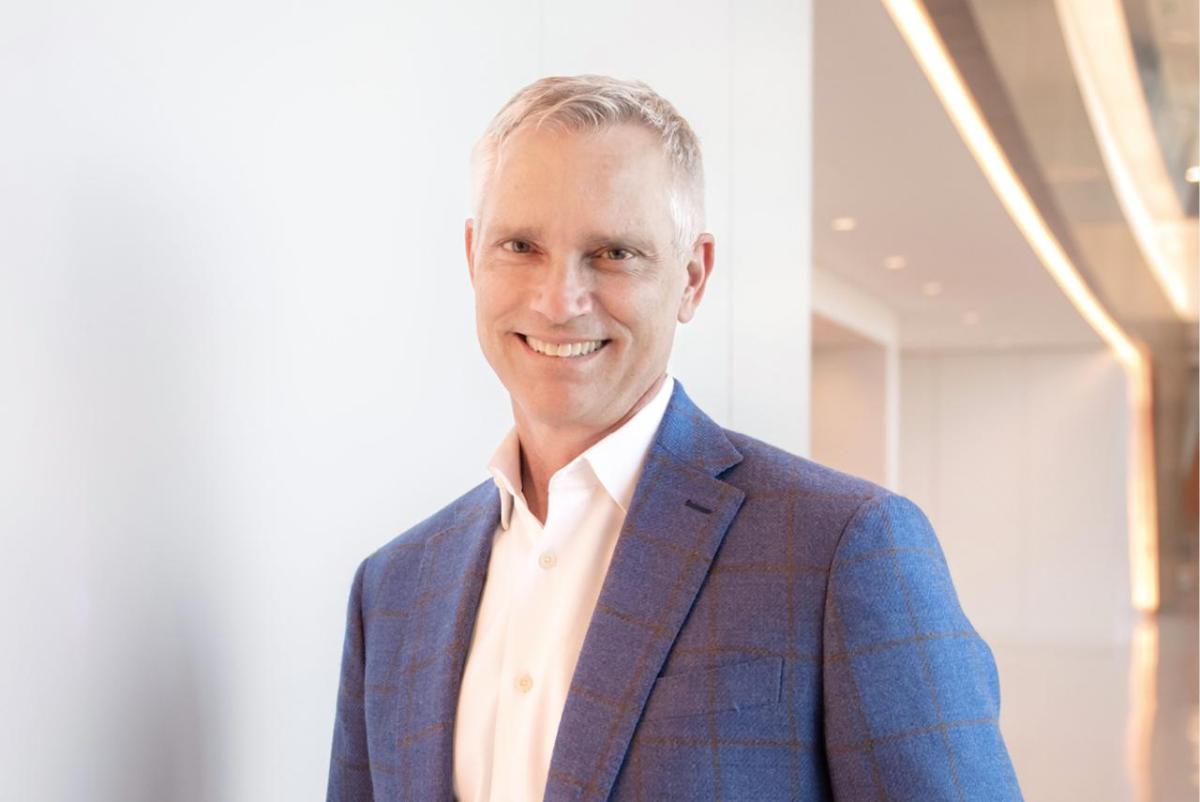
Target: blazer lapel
point(453, 567)
point(676, 521)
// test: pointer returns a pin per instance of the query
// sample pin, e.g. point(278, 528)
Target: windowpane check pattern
point(768, 629)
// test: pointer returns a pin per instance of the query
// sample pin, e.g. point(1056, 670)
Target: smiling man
point(640, 604)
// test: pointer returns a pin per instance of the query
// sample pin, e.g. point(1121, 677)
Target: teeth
point(563, 349)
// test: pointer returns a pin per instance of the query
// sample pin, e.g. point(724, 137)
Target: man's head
point(591, 102)
point(588, 208)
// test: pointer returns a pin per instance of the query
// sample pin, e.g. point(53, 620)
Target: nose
point(563, 291)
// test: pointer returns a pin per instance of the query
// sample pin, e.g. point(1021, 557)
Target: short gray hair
point(592, 102)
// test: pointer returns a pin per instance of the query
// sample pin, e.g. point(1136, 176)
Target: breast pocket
point(729, 687)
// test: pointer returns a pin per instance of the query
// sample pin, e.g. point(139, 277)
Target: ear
point(699, 268)
point(469, 241)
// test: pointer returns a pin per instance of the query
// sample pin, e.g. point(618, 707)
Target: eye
point(616, 254)
point(517, 246)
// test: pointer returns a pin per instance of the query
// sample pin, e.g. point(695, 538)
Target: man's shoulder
point(840, 513)
point(769, 470)
point(477, 501)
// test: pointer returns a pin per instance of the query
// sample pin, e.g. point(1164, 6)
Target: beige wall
point(1019, 460)
point(849, 416)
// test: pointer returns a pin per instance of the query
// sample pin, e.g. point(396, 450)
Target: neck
point(545, 448)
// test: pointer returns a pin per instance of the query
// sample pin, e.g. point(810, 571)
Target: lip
point(573, 360)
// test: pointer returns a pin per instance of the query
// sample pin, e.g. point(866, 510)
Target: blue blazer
point(768, 629)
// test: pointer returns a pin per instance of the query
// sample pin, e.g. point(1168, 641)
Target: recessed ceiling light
point(932, 288)
point(895, 263)
point(1193, 174)
point(843, 223)
point(970, 318)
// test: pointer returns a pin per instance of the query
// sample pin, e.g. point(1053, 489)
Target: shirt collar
point(616, 460)
point(505, 463)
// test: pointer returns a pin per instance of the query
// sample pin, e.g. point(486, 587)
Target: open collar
point(616, 460)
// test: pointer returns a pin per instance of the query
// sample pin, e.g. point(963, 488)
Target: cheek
point(648, 325)
point(491, 297)
point(657, 306)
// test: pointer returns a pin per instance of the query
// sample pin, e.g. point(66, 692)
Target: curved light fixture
point(1101, 53)
point(922, 39)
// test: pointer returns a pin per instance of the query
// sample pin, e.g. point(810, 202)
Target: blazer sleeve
point(349, 765)
point(911, 693)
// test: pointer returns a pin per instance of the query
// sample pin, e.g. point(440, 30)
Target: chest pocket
point(728, 687)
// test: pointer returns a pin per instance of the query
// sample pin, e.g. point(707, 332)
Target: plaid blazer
point(768, 629)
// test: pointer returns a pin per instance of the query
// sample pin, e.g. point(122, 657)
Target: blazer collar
point(676, 522)
point(694, 438)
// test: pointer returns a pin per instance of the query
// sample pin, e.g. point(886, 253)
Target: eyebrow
point(631, 239)
point(503, 233)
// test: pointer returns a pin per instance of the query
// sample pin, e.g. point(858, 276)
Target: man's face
point(574, 252)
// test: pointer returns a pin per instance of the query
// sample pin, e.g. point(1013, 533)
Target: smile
point(564, 350)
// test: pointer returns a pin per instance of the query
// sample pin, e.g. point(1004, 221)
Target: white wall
point(1019, 460)
point(237, 339)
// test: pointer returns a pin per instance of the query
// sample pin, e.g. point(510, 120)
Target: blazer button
point(524, 683)
point(547, 560)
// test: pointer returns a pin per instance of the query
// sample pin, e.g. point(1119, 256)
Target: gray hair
point(592, 102)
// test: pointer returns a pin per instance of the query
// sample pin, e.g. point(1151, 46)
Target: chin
point(560, 405)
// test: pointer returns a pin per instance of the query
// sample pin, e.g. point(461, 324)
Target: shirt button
point(547, 560)
point(524, 683)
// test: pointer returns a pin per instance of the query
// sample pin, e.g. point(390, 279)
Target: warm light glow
point(1102, 59)
point(1143, 707)
point(1193, 174)
point(932, 288)
point(843, 224)
point(1141, 489)
point(895, 263)
point(919, 33)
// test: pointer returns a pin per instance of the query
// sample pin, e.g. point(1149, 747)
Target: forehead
point(615, 176)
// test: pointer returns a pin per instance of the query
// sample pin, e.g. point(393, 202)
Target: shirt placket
point(531, 633)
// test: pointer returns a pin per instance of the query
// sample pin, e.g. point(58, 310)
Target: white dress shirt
point(541, 588)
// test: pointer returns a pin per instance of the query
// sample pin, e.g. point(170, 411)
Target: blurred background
point(956, 254)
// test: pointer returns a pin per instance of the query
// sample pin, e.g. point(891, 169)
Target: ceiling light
point(1106, 69)
point(843, 224)
point(895, 263)
point(922, 38)
point(932, 288)
point(1193, 174)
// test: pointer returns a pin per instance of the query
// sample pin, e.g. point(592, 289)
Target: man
point(640, 604)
